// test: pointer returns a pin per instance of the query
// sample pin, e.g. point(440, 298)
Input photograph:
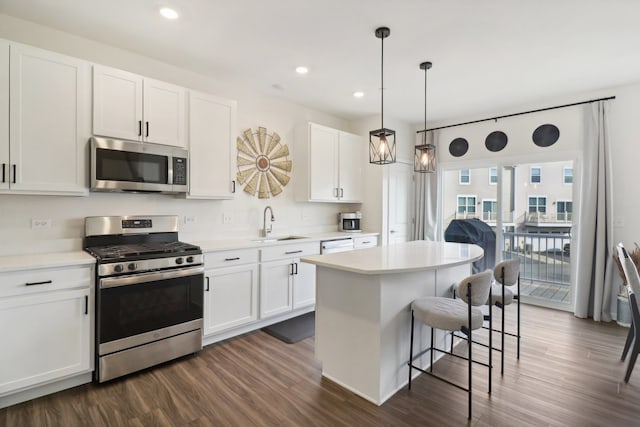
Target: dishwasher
point(336, 245)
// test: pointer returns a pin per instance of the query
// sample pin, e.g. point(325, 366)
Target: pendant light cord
point(382, 85)
point(424, 140)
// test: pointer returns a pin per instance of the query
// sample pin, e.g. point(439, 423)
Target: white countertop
point(44, 260)
point(400, 257)
point(261, 242)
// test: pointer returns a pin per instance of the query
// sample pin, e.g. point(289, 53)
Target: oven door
point(141, 308)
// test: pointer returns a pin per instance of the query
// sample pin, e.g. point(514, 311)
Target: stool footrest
point(440, 378)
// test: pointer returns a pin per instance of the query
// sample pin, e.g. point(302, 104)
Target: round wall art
point(496, 141)
point(458, 147)
point(546, 135)
point(262, 161)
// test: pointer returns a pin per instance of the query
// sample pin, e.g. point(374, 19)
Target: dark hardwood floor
point(569, 374)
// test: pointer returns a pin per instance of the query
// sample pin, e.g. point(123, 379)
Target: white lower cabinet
point(362, 242)
point(285, 283)
point(46, 335)
point(230, 290)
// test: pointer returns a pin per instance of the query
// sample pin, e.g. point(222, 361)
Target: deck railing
point(544, 257)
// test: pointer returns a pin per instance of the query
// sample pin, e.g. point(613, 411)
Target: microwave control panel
point(179, 171)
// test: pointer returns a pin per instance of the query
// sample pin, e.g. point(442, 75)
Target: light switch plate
point(227, 218)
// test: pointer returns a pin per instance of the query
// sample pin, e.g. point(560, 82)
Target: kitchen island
point(363, 316)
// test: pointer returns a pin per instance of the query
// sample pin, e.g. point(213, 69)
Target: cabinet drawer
point(365, 242)
point(290, 251)
point(231, 257)
point(46, 279)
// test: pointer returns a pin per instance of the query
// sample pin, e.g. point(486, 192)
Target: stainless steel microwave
point(118, 165)
point(349, 221)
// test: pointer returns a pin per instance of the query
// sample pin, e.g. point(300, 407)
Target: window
point(466, 206)
point(567, 175)
point(465, 177)
point(537, 204)
point(493, 176)
point(564, 210)
point(536, 174)
point(489, 210)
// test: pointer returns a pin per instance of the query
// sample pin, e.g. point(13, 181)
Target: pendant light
point(382, 142)
point(424, 160)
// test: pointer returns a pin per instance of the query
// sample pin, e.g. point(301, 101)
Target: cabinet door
point(304, 284)
point(49, 122)
point(4, 114)
point(351, 167)
point(323, 163)
point(164, 116)
point(45, 336)
point(117, 103)
point(212, 125)
point(275, 287)
point(231, 297)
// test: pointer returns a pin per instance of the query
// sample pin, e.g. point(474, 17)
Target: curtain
point(593, 256)
point(426, 201)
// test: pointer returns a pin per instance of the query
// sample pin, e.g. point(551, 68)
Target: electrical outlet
point(227, 218)
point(189, 219)
point(40, 223)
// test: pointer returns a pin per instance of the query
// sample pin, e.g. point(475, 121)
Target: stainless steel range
point(149, 292)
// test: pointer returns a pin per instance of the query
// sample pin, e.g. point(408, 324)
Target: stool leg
point(431, 352)
point(502, 328)
point(411, 350)
point(627, 343)
point(518, 339)
point(470, 342)
point(490, 337)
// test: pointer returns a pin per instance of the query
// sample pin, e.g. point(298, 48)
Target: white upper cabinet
point(129, 106)
point(4, 114)
point(212, 126)
point(331, 161)
point(49, 122)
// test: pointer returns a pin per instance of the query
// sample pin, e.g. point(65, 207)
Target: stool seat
point(445, 313)
point(496, 295)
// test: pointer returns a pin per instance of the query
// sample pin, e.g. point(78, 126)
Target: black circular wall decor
point(496, 141)
point(458, 147)
point(546, 135)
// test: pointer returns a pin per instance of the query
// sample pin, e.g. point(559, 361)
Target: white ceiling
point(488, 55)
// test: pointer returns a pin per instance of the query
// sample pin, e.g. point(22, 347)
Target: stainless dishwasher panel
point(336, 245)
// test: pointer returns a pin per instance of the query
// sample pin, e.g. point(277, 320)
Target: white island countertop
point(418, 255)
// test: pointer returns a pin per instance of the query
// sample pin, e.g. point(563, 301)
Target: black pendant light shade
point(382, 142)
point(424, 158)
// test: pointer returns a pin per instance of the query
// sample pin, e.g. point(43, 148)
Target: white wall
point(254, 109)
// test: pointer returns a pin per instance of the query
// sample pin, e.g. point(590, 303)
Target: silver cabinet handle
point(207, 289)
point(293, 252)
point(232, 259)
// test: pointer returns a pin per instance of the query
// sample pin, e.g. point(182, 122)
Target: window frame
point(491, 175)
point(531, 175)
point(467, 196)
point(564, 175)
point(468, 175)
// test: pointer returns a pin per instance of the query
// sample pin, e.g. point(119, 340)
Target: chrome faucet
point(266, 232)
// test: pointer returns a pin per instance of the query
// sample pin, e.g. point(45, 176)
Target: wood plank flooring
point(569, 374)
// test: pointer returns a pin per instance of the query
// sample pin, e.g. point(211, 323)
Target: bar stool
point(633, 289)
point(453, 315)
point(506, 274)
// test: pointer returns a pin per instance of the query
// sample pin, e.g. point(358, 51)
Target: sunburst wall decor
point(262, 161)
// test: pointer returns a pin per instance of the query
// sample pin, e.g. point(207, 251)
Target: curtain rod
point(519, 114)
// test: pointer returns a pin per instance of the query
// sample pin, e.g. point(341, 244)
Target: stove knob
point(132, 266)
point(179, 260)
point(189, 259)
point(119, 268)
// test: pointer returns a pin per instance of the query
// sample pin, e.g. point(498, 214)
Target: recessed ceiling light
point(302, 70)
point(358, 94)
point(168, 13)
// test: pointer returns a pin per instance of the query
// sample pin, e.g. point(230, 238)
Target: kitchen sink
point(277, 239)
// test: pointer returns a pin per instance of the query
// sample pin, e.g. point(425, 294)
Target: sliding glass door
point(530, 208)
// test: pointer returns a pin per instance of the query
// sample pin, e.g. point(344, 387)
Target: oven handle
point(114, 282)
